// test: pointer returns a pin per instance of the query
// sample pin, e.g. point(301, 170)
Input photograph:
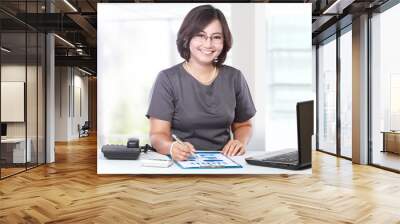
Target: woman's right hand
point(181, 152)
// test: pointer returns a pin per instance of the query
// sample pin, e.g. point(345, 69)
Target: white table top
point(13, 140)
point(106, 166)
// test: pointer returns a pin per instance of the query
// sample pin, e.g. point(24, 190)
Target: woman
point(201, 100)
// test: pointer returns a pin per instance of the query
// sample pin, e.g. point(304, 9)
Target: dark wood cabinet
point(391, 141)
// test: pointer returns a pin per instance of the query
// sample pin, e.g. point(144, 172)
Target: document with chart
point(208, 160)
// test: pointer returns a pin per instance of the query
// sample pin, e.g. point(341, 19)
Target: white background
point(271, 46)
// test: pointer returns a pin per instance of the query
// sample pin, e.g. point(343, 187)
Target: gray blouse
point(201, 114)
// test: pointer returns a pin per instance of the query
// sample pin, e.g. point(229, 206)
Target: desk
point(17, 150)
point(391, 141)
point(105, 166)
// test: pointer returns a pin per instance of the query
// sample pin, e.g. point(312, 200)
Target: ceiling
point(76, 22)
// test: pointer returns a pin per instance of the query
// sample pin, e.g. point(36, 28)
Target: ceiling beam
point(337, 6)
point(86, 26)
point(83, 61)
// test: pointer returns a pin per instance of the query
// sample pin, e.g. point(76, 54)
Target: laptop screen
point(3, 129)
point(305, 129)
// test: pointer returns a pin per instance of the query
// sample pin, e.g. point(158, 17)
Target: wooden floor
point(10, 171)
point(70, 191)
point(387, 159)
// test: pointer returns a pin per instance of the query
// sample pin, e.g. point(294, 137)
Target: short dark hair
point(194, 22)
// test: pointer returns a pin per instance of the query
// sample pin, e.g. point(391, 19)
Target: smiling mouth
point(206, 52)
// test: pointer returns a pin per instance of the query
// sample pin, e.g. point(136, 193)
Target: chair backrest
point(86, 125)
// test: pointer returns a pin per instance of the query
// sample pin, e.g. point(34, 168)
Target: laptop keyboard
point(285, 158)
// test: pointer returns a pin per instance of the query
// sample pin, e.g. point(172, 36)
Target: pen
point(180, 142)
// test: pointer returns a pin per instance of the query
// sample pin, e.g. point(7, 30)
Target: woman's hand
point(234, 148)
point(181, 152)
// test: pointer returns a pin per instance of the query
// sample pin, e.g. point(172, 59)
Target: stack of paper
point(154, 159)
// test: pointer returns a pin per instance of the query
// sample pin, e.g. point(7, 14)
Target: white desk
point(105, 166)
point(19, 149)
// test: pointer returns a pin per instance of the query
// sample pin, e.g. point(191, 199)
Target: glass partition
point(31, 100)
point(22, 90)
point(346, 94)
point(327, 96)
point(41, 91)
point(385, 89)
point(13, 109)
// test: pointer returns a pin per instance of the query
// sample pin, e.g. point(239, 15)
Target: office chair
point(84, 130)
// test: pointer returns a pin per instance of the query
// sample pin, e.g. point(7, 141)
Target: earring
point(215, 60)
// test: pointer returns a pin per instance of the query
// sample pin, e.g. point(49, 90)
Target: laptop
point(293, 159)
point(3, 131)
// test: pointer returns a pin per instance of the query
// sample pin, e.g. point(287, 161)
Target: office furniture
point(105, 166)
point(391, 141)
point(84, 130)
point(13, 150)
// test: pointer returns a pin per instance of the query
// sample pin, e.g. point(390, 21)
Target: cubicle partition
point(22, 77)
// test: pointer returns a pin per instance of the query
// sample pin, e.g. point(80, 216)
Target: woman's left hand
point(233, 148)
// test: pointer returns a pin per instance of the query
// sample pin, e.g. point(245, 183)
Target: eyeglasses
point(215, 38)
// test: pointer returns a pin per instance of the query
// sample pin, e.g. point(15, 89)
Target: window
point(327, 97)
point(289, 72)
point(346, 94)
point(385, 89)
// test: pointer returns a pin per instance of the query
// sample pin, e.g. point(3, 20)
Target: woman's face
point(207, 45)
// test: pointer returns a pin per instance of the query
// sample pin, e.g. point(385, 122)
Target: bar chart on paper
point(208, 160)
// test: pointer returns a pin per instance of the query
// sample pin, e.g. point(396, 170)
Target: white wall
point(33, 126)
point(249, 55)
point(69, 84)
point(61, 103)
point(80, 84)
point(314, 84)
point(17, 73)
point(14, 73)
